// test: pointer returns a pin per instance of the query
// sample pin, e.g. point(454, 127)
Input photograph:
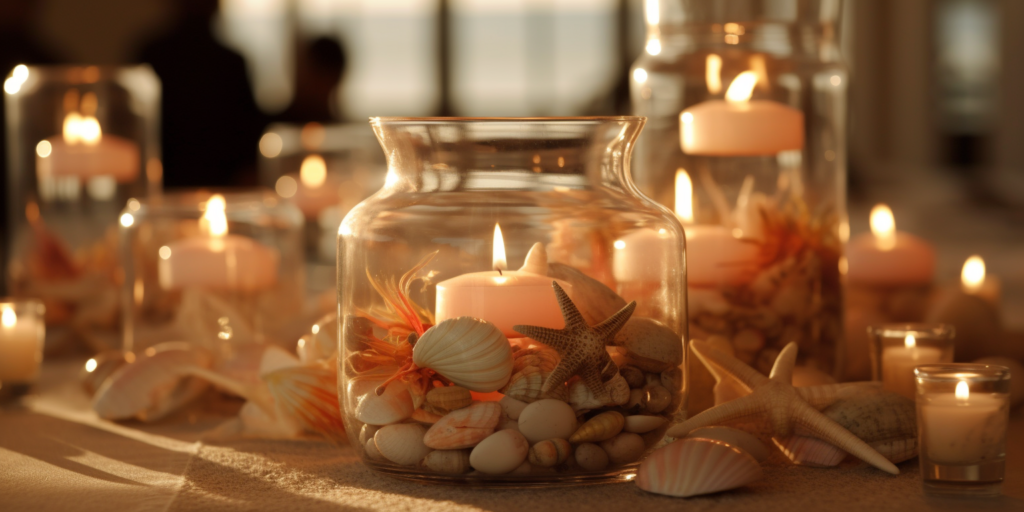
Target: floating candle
point(975, 281)
point(887, 257)
point(84, 151)
point(21, 346)
point(313, 191)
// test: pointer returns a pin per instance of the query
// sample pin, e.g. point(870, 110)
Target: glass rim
point(105, 72)
point(531, 120)
point(953, 372)
point(193, 200)
point(919, 330)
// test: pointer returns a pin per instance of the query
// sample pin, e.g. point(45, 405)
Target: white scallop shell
point(402, 443)
point(470, 352)
point(810, 451)
point(691, 467)
point(734, 437)
point(395, 405)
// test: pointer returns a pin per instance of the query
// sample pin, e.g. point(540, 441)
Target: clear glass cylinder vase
point(454, 366)
point(746, 140)
point(81, 141)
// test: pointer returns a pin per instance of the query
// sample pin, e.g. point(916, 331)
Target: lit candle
point(219, 261)
point(715, 254)
point(21, 346)
point(887, 257)
point(315, 189)
point(738, 126)
point(898, 365)
point(974, 281)
point(964, 428)
point(504, 298)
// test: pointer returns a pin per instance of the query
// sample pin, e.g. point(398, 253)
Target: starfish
point(581, 347)
point(786, 408)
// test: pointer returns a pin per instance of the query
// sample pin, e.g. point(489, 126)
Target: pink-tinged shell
point(550, 452)
point(691, 467)
point(543, 358)
point(425, 416)
point(152, 386)
point(810, 451)
point(470, 352)
point(735, 437)
point(464, 428)
point(526, 385)
point(393, 406)
point(309, 394)
point(402, 443)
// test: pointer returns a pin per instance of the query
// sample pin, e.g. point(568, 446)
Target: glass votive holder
point(962, 414)
point(213, 269)
point(22, 332)
point(897, 348)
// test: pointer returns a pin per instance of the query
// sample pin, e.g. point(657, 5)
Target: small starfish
point(581, 347)
point(787, 409)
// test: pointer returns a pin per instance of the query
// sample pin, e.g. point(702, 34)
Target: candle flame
point(713, 73)
point(498, 254)
point(963, 392)
point(82, 129)
point(910, 341)
point(883, 226)
point(742, 87)
point(313, 172)
point(684, 196)
point(9, 318)
point(653, 13)
point(90, 365)
point(214, 220)
point(973, 274)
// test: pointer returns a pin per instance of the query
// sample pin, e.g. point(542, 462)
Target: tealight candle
point(84, 151)
point(22, 332)
point(975, 281)
point(887, 257)
point(962, 416)
point(313, 191)
point(898, 365)
point(899, 348)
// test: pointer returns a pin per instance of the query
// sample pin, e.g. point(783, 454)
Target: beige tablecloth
point(55, 455)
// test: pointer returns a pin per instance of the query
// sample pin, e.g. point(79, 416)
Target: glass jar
point(22, 332)
point(896, 349)
point(215, 270)
point(81, 141)
point(746, 139)
point(455, 369)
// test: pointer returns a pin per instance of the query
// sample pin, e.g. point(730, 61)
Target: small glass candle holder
point(897, 348)
point(22, 331)
point(214, 269)
point(962, 414)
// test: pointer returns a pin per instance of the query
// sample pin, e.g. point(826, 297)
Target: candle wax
point(110, 156)
point(507, 299)
point(963, 431)
point(231, 262)
point(21, 350)
point(728, 128)
point(643, 255)
point(910, 262)
point(898, 367)
point(714, 257)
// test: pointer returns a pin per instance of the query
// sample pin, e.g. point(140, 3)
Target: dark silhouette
point(319, 67)
point(210, 123)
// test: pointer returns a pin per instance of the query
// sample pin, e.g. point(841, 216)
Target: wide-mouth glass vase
point(746, 140)
point(457, 367)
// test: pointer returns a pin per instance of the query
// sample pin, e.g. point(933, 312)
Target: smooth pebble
point(591, 457)
point(512, 407)
point(500, 453)
point(639, 424)
point(624, 448)
point(547, 419)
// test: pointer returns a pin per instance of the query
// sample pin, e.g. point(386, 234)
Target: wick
point(499, 271)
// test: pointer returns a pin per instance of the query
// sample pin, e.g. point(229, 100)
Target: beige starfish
point(786, 408)
point(581, 347)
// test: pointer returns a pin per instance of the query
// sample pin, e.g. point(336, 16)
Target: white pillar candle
point(83, 151)
point(887, 257)
point(965, 428)
point(21, 346)
point(898, 365)
point(714, 257)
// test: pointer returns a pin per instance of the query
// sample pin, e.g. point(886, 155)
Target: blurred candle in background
point(975, 281)
point(888, 257)
point(21, 342)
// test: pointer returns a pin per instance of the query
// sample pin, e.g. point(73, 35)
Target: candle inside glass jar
point(963, 428)
point(21, 341)
point(898, 365)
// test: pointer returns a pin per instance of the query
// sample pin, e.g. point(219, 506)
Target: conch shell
point(602, 427)
point(470, 352)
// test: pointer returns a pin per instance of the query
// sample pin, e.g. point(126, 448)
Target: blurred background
point(936, 103)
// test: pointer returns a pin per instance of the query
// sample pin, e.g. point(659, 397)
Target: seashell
point(464, 428)
point(536, 261)
point(691, 467)
point(500, 453)
point(372, 452)
point(546, 360)
point(595, 301)
point(449, 462)
point(309, 394)
point(633, 375)
point(512, 407)
point(550, 453)
point(402, 443)
point(809, 451)
point(650, 345)
point(582, 398)
point(367, 432)
point(897, 449)
point(672, 379)
point(658, 398)
point(449, 398)
point(547, 419)
point(591, 457)
point(637, 400)
point(393, 406)
point(507, 424)
point(602, 427)
point(878, 417)
point(624, 448)
point(256, 421)
point(152, 386)
point(470, 352)
point(425, 416)
point(99, 367)
point(640, 424)
point(526, 385)
point(736, 438)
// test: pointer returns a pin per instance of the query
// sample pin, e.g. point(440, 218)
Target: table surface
point(56, 455)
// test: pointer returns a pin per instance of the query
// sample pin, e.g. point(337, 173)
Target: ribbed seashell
point(526, 385)
point(425, 416)
point(658, 398)
point(449, 398)
point(309, 394)
point(650, 345)
point(546, 360)
point(402, 443)
point(550, 452)
point(734, 437)
point(470, 352)
point(877, 416)
point(809, 451)
point(372, 452)
point(602, 427)
point(896, 449)
point(450, 462)
point(464, 428)
point(641, 424)
point(691, 467)
point(367, 432)
point(582, 398)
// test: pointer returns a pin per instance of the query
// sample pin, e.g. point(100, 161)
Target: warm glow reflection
point(742, 87)
point(286, 186)
point(640, 75)
point(883, 226)
point(498, 254)
point(127, 219)
point(312, 136)
point(9, 318)
point(652, 11)
point(18, 77)
point(90, 365)
point(271, 145)
point(313, 172)
point(963, 391)
point(973, 273)
point(713, 73)
point(684, 196)
point(653, 46)
point(164, 252)
point(620, 244)
point(215, 221)
point(82, 129)
point(910, 341)
point(44, 148)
